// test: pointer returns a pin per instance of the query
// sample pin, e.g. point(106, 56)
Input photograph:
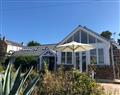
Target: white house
point(9, 46)
point(13, 46)
point(47, 53)
point(99, 56)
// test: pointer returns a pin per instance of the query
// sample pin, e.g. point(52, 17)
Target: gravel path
point(111, 89)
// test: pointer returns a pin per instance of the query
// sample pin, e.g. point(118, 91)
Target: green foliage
point(33, 43)
point(1, 68)
point(68, 83)
point(106, 34)
point(26, 62)
point(2, 51)
point(15, 85)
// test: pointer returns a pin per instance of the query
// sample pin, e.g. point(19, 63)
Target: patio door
point(51, 63)
point(77, 60)
point(50, 60)
point(84, 62)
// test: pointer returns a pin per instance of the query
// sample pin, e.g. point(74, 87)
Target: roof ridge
point(13, 42)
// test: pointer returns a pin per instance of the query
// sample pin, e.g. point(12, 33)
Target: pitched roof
point(33, 50)
point(116, 44)
point(13, 43)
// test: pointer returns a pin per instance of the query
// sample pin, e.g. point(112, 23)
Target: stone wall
point(117, 69)
point(116, 53)
point(104, 71)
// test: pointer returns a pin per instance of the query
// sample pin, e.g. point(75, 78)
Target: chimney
point(119, 41)
point(0, 36)
point(4, 38)
point(22, 43)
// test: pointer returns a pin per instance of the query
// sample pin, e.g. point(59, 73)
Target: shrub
point(69, 83)
point(1, 68)
point(26, 62)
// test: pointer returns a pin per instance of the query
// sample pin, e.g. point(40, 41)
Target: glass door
point(77, 60)
point(83, 61)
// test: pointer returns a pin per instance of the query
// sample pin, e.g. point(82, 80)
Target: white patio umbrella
point(74, 47)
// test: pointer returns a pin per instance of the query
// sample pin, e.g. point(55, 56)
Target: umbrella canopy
point(74, 47)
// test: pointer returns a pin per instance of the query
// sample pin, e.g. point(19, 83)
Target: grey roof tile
point(33, 50)
point(14, 43)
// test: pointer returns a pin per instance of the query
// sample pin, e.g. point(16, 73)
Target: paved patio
point(111, 89)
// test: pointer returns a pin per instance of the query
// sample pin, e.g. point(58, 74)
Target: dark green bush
point(26, 62)
point(1, 68)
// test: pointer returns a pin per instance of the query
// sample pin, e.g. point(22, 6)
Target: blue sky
point(49, 21)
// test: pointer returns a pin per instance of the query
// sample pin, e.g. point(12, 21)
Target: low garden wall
point(104, 71)
point(117, 68)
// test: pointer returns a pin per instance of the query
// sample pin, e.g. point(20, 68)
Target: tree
point(119, 39)
point(33, 43)
point(3, 49)
point(106, 34)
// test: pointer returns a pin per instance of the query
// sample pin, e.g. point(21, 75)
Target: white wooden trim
point(85, 30)
point(87, 60)
point(54, 54)
point(81, 61)
point(80, 36)
point(97, 52)
point(40, 63)
point(69, 35)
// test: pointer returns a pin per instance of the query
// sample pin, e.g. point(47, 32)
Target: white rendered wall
point(13, 48)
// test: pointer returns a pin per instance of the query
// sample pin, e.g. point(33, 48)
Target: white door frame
point(53, 55)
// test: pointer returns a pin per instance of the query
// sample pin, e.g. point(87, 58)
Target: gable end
point(85, 29)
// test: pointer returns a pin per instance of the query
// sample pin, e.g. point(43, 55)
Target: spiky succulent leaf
point(24, 77)
point(10, 86)
point(28, 90)
point(11, 79)
point(27, 74)
point(1, 90)
point(6, 83)
point(16, 83)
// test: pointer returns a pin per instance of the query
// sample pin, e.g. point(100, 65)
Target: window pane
point(99, 41)
point(93, 52)
point(70, 39)
point(63, 57)
point(76, 37)
point(77, 60)
point(83, 53)
point(83, 37)
point(93, 57)
point(101, 56)
point(92, 39)
point(83, 61)
point(69, 57)
point(100, 51)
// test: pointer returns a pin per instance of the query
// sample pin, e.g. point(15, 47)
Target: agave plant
point(10, 85)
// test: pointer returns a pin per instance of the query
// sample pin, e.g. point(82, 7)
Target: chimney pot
point(119, 41)
point(4, 38)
